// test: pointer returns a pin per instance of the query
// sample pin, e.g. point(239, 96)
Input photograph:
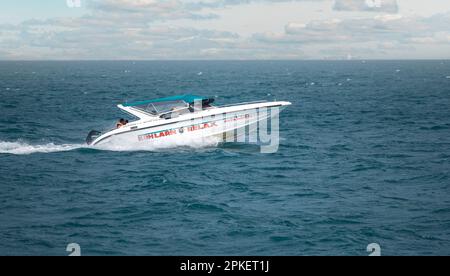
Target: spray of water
point(21, 147)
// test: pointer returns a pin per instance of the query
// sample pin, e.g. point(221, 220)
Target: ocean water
point(364, 158)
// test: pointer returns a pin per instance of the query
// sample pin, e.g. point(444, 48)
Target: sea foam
point(23, 148)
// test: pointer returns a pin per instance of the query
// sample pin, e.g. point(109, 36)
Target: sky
point(224, 29)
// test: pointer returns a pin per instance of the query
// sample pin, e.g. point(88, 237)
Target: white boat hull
point(220, 123)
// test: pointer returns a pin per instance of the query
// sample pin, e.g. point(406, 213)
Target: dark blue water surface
point(364, 157)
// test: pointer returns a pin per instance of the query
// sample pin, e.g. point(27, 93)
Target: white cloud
point(378, 28)
point(382, 36)
point(293, 27)
point(390, 6)
point(144, 29)
point(442, 37)
point(142, 10)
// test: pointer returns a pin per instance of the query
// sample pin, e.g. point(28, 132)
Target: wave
point(23, 148)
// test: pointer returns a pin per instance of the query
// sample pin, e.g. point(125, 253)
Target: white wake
point(23, 148)
point(20, 147)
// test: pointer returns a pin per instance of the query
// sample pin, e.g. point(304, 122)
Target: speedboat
point(184, 117)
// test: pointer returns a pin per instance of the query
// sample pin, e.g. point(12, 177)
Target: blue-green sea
point(364, 157)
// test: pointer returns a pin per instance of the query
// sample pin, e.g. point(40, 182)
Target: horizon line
point(208, 60)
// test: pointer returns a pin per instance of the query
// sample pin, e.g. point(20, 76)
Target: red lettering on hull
point(171, 132)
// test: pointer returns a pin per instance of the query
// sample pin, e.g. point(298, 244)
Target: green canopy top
point(187, 98)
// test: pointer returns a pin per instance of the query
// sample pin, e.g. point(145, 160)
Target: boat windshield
point(162, 107)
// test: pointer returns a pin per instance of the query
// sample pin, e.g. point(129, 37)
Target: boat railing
point(236, 104)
